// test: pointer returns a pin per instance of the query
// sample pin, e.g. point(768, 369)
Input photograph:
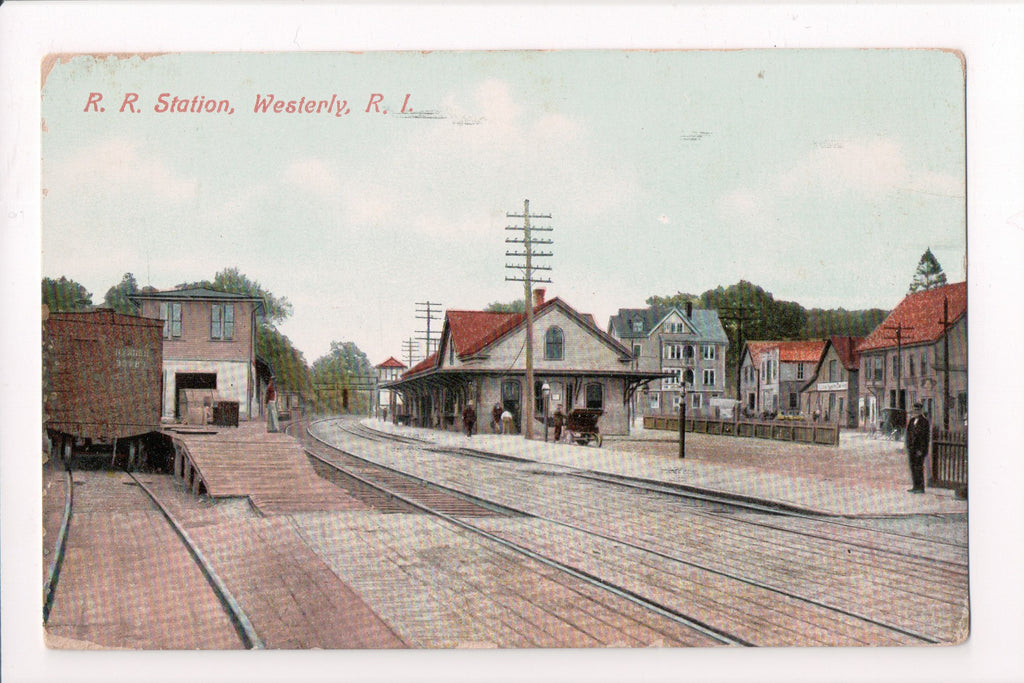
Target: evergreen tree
point(65, 295)
point(928, 275)
point(117, 296)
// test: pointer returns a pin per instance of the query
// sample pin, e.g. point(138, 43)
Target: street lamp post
point(546, 391)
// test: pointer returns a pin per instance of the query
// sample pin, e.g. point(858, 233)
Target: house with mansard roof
point(918, 354)
point(689, 344)
point(832, 391)
point(773, 372)
point(481, 361)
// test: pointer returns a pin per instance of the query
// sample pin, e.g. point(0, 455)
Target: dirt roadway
point(857, 457)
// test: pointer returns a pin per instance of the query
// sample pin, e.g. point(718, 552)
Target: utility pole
point(428, 308)
point(528, 281)
point(945, 370)
point(409, 351)
point(900, 328)
point(738, 315)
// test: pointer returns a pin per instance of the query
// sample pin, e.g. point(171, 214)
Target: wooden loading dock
point(270, 469)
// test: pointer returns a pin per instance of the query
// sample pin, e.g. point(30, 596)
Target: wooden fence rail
point(824, 435)
point(949, 460)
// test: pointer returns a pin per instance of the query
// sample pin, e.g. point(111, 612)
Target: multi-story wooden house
point(480, 361)
point(773, 372)
point(209, 343)
point(688, 344)
point(918, 353)
point(832, 391)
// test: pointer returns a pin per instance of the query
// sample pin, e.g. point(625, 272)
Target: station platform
point(270, 469)
point(859, 478)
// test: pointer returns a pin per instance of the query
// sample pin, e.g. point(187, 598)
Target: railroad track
point(461, 509)
point(873, 543)
point(120, 525)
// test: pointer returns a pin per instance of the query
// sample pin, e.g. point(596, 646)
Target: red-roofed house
point(831, 391)
point(773, 372)
point(388, 403)
point(481, 361)
point(904, 359)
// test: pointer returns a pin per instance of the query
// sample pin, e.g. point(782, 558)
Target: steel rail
point(663, 610)
point(53, 574)
point(748, 581)
point(239, 619)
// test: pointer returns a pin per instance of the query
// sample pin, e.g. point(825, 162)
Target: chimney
point(538, 297)
point(689, 309)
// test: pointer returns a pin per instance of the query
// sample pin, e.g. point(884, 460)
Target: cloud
point(120, 166)
point(315, 176)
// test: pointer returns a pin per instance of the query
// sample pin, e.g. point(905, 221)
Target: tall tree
point(929, 273)
point(65, 295)
point(275, 309)
point(344, 372)
point(117, 296)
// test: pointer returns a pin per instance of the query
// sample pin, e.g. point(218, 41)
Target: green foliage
point(117, 296)
point(929, 273)
point(275, 309)
point(291, 373)
point(65, 295)
point(344, 370)
point(510, 307)
point(677, 300)
point(822, 323)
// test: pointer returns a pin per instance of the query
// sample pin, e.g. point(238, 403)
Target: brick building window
point(222, 321)
point(170, 313)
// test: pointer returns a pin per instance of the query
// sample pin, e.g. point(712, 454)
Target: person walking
point(558, 419)
point(468, 419)
point(506, 422)
point(496, 418)
point(271, 406)
point(917, 438)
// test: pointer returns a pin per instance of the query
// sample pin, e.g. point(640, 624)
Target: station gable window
point(595, 396)
point(554, 346)
point(170, 313)
point(222, 321)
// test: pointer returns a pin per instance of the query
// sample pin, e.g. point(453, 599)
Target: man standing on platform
point(271, 406)
point(468, 419)
point(918, 436)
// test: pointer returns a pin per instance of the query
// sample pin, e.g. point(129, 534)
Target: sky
point(820, 175)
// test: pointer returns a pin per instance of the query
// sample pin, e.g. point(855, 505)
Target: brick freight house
point(209, 343)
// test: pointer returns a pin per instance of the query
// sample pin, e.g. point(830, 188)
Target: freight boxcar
point(102, 393)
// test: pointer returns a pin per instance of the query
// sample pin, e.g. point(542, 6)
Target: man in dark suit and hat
point(918, 436)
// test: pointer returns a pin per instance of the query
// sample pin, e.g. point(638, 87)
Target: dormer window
point(637, 324)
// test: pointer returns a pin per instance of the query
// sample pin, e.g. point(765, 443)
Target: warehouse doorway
point(191, 380)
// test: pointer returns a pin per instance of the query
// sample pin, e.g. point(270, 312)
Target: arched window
point(595, 396)
point(554, 348)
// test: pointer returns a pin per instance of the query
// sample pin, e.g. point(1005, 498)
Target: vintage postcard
point(645, 350)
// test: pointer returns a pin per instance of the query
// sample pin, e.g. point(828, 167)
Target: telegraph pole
point(738, 315)
point(899, 327)
point(528, 279)
point(428, 308)
point(945, 370)
point(409, 351)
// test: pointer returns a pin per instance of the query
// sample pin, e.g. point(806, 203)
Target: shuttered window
point(170, 313)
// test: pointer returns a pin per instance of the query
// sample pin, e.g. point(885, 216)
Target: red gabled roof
point(473, 330)
point(391, 362)
point(425, 364)
point(919, 316)
point(756, 348)
point(801, 351)
point(846, 348)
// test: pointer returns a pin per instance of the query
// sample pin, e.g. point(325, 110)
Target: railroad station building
point(481, 361)
point(918, 353)
point(688, 344)
point(209, 344)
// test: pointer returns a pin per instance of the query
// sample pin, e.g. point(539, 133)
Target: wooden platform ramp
point(270, 469)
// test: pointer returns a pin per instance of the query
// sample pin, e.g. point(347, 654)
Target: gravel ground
point(857, 457)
